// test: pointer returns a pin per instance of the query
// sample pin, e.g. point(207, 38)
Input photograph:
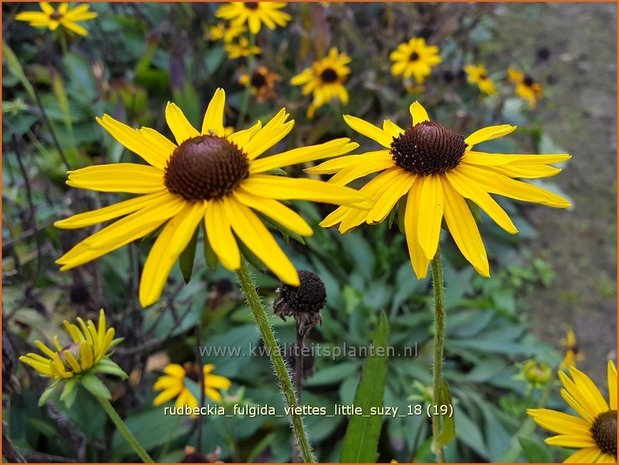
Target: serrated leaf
point(95, 386)
point(361, 440)
point(187, 257)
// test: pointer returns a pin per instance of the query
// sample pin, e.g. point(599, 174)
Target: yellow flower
point(262, 82)
point(572, 352)
point(89, 348)
point(437, 169)
point(226, 32)
point(476, 74)
point(174, 384)
point(526, 87)
point(594, 431)
point(205, 177)
point(242, 48)
point(325, 79)
point(254, 14)
point(414, 58)
point(52, 18)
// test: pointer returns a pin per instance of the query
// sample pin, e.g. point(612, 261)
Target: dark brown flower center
point(528, 81)
point(251, 5)
point(258, 80)
point(205, 167)
point(428, 148)
point(192, 371)
point(604, 431)
point(56, 15)
point(483, 77)
point(414, 56)
point(328, 75)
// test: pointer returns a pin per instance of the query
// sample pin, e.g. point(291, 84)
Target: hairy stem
point(438, 286)
point(279, 366)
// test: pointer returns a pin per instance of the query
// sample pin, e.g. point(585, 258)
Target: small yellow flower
point(526, 87)
point(262, 82)
point(226, 32)
point(90, 346)
point(254, 14)
point(325, 80)
point(242, 48)
point(174, 384)
point(414, 58)
point(52, 18)
point(204, 178)
point(476, 74)
point(572, 352)
point(436, 169)
point(594, 430)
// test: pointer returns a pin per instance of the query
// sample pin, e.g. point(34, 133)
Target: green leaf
point(448, 429)
point(95, 386)
point(48, 393)
point(361, 440)
point(401, 211)
point(69, 393)
point(209, 253)
point(534, 451)
point(108, 367)
point(15, 68)
point(187, 257)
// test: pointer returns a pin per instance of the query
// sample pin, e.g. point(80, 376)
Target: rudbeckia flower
point(325, 80)
point(476, 74)
point(174, 384)
point(262, 82)
point(526, 87)
point(62, 16)
point(437, 170)
point(254, 14)
point(225, 32)
point(594, 430)
point(572, 353)
point(414, 58)
point(203, 177)
point(241, 48)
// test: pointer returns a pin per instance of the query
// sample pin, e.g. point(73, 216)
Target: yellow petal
point(500, 159)
point(154, 148)
point(574, 401)
point(212, 394)
point(471, 190)
point(166, 382)
point(496, 183)
point(219, 382)
point(242, 138)
point(391, 194)
point(571, 441)
point(527, 171)
point(349, 161)
point(489, 133)
point(35, 16)
point(431, 207)
point(392, 129)
point(282, 188)
point(464, 231)
point(167, 395)
point(272, 132)
point(175, 370)
point(71, 360)
point(178, 124)
point(85, 355)
point(606, 458)
point(368, 166)
point(46, 8)
point(171, 242)
point(612, 385)
point(259, 240)
point(332, 148)
point(586, 455)
point(43, 348)
point(588, 388)
point(71, 26)
point(417, 257)
point(220, 235)
point(369, 130)
point(418, 113)
point(214, 116)
point(559, 422)
point(276, 211)
point(121, 232)
point(118, 177)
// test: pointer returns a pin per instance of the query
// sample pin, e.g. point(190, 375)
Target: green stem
point(438, 285)
point(279, 365)
point(250, 73)
point(120, 424)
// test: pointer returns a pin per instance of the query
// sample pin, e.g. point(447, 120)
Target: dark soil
point(579, 113)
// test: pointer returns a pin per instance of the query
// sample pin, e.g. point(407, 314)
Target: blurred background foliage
point(137, 57)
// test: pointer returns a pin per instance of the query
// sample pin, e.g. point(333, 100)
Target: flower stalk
point(279, 366)
point(438, 286)
point(250, 72)
point(122, 427)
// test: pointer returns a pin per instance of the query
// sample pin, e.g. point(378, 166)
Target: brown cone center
point(604, 432)
point(205, 167)
point(428, 148)
point(328, 75)
point(258, 80)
